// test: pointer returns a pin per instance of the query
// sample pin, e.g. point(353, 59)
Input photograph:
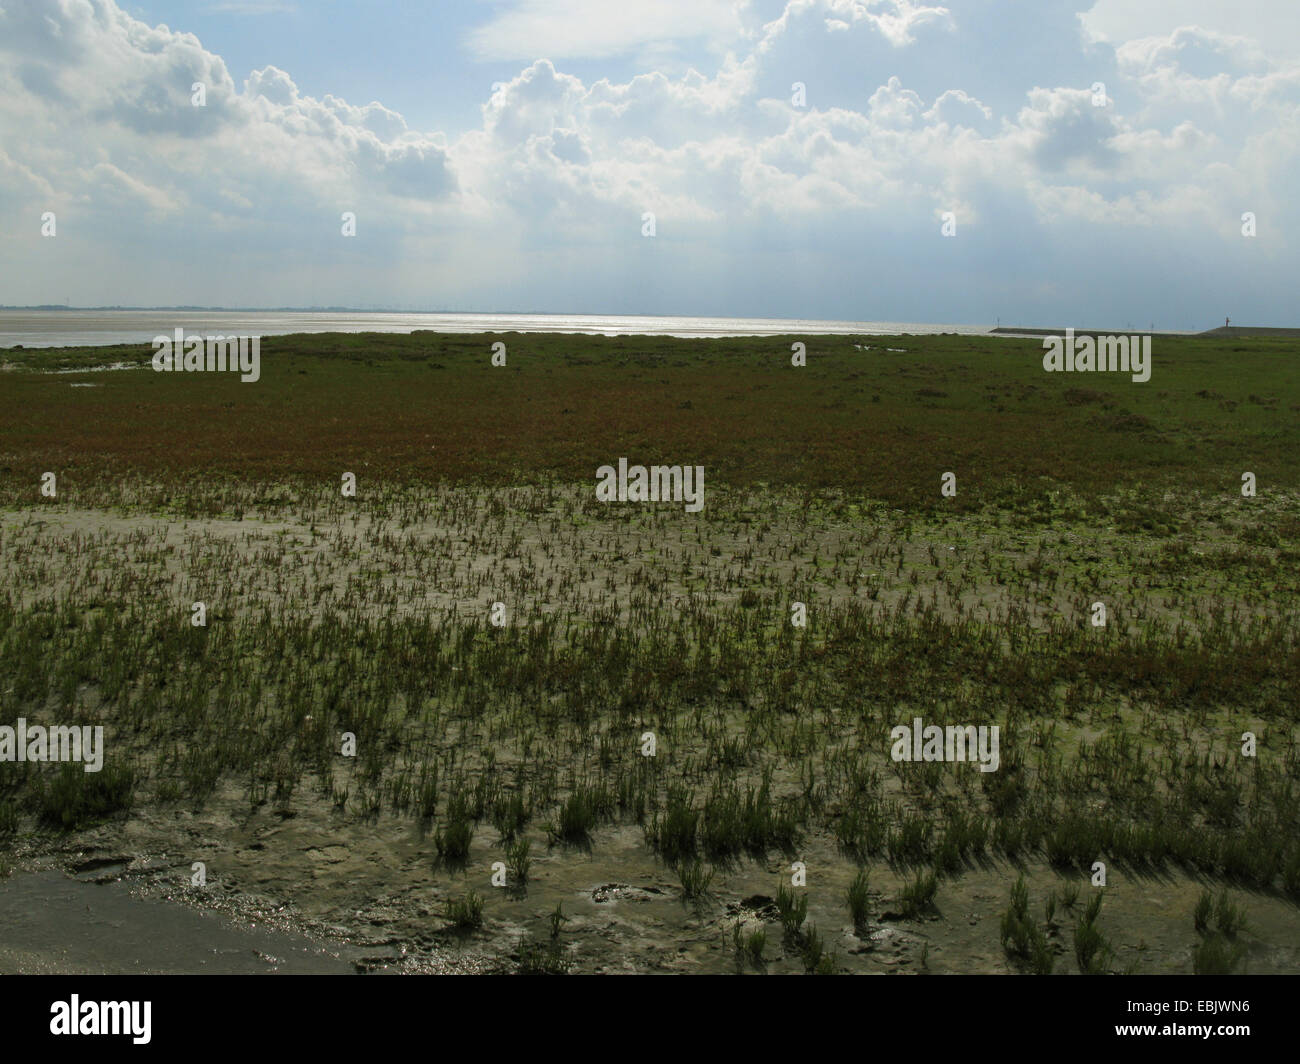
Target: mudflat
point(470, 717)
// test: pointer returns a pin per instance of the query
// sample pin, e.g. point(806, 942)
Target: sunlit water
point(76, 328)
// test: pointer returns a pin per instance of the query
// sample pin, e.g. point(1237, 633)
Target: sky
point(1037, 162)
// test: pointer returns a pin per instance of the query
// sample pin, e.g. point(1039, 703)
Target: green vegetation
point(466, 913)
point(792, 908)
point(918, 895)
point(859, 899)
point(859, 418)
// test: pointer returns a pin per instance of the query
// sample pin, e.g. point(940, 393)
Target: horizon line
point(554, 314)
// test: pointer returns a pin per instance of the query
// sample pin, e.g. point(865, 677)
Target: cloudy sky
point(501, 154)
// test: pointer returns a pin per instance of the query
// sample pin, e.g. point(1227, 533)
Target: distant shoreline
point(66, 327)
point(1222, 330)
point(1012, 330)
